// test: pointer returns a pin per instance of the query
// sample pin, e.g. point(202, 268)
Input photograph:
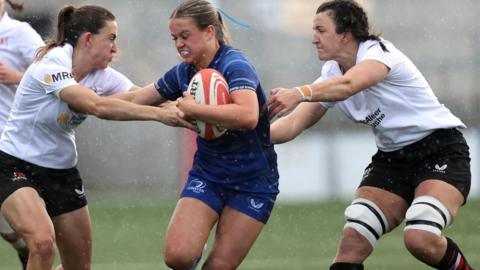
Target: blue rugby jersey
point(238, 155)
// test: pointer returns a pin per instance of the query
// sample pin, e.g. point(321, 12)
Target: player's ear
point(86, 39)
point(212, 33)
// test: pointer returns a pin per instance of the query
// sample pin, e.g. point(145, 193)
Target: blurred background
point(143, 163)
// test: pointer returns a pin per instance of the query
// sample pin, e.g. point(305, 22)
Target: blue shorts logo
point(197, 186)
point(255, 205)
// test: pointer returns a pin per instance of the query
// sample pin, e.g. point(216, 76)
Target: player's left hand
point(9, 75)
point(283, 100)
point(173, 116)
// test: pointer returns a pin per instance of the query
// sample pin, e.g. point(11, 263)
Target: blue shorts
point(217, 195)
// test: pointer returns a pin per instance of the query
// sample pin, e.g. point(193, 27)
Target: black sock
point(346, 266)
point(452, 256)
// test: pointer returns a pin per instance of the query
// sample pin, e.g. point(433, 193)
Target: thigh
point(62, 190)
point(25, 212)
point(449, 163)
point(391, 172)
point(74, 238)
point(189, 227)
point(236, 232)
point(448, 194)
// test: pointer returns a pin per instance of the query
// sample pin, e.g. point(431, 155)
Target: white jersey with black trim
point(19, 43)
point(40, 128)
point(402, 109)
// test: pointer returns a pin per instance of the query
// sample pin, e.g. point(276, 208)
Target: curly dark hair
point(349, 16)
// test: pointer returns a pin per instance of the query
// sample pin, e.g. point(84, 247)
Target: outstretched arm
point(82, 99)
point(289, 127)
point(147, 95)
point(356, 79)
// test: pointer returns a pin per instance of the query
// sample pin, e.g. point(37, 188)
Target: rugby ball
point(209, 87)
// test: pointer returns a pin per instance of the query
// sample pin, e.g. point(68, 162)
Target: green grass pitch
point(128, 234)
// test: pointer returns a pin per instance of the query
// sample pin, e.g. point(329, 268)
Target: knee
point(426, 218)
point(42, 245)
point(176, 258)
point(422, 244)
point(364, 218)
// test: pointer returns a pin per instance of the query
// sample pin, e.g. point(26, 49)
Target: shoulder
point(330, 69)
point(372, 50)
point(232, 54)
point(234, 59)
point(58, 56)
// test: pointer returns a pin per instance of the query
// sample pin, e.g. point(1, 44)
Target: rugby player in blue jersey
point(233, 182)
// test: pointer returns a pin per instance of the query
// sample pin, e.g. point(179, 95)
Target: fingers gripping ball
point(210, 88)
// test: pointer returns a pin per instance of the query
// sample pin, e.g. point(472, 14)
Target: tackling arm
point(303, 117)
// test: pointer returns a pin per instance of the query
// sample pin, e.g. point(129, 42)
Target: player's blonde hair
point(204, 14)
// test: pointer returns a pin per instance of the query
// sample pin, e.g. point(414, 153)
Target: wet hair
point(349, 16)
point(73, 22)
point(204, 14)
point(15, 6)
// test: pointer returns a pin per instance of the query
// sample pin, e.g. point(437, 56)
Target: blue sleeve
point(240, 74)
point(169, 86)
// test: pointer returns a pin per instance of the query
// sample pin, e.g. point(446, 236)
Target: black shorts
point(62, 190)
point(443, 155)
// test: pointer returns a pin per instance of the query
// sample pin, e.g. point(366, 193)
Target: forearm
point(230, 116)
point(334, 89)
point(303, 117)
point(282, 131)
point(144, 96)
point(116, 109)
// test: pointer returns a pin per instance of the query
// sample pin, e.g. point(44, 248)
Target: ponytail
point(223, 35)
point(15, 6)
point(73, 22)
point(64, 16)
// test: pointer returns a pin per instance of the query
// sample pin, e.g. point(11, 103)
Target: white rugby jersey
point(401, 109)
point(40, 128)
point(18, 46)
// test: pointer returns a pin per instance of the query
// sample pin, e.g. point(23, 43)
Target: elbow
point(250, 122)
point(101, 110)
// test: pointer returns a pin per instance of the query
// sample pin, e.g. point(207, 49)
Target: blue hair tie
point(235, 21)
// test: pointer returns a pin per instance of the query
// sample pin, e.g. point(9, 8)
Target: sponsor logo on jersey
point(440, 169)
point(63, 118)
point(59, 76)
point(70, 120)
point(197, 186)
point(19, 176)
point(374, 119)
